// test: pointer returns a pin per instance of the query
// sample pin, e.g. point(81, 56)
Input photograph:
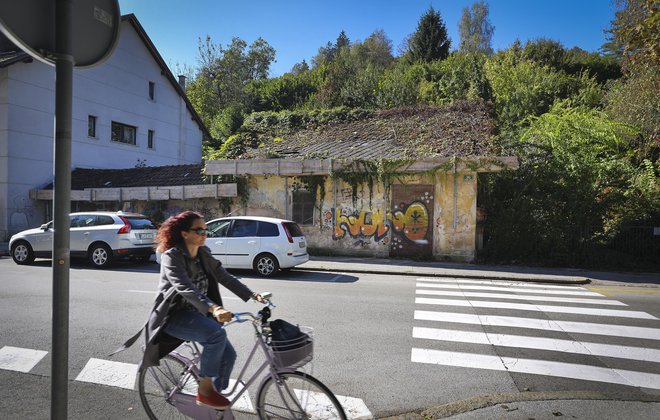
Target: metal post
point(61, 209)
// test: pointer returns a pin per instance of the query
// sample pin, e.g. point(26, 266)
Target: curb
point(532, 278)
point(484, 401)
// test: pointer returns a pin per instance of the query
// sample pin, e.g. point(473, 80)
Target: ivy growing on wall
point(316, 185)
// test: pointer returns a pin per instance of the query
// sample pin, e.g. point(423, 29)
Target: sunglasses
point(200, 231)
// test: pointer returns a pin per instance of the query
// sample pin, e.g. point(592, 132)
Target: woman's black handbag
point(286, 336)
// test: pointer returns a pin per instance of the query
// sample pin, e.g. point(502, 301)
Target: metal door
point(411, 219)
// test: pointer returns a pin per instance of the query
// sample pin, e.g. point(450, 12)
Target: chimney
point(182, 82)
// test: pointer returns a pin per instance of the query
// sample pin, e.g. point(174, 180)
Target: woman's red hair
point(169, 233)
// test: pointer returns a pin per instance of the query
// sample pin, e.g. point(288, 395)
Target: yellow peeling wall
point(345, 226)
point(359, 227)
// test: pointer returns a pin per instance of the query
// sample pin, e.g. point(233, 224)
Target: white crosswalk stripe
point(521, 297)
point(452, 297)
point(542, 324)
point(537, 308)
point(580, 292)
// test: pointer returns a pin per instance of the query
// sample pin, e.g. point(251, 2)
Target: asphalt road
point(376, 341)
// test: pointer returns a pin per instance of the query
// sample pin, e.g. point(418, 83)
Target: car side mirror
point(44, 227)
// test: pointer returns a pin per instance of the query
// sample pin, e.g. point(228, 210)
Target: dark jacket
point(175, 283)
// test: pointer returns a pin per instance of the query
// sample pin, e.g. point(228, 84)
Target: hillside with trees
point(585, 126)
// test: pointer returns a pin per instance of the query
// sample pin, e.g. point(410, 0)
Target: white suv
point(99, 236)
point(263, 244)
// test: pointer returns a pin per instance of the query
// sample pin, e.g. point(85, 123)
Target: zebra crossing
point(514, 315)
point(124, 375)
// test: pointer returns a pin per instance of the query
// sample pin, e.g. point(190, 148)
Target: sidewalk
point(474, 271)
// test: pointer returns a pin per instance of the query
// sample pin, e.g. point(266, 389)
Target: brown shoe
point(213, 400)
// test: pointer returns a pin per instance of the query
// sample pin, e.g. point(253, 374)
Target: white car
point(264, 244)
point(100, 237)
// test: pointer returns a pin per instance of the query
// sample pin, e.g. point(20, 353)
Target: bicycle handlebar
point(240, 317)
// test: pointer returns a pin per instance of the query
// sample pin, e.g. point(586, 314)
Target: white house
point(129, 111)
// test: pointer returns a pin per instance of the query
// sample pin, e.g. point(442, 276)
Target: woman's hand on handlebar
point(221, 314)
point(259, 298)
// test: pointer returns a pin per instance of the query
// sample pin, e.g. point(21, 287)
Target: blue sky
point(297, 28)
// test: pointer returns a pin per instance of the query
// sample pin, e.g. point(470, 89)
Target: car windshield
point(293, 228)
point(138, 223)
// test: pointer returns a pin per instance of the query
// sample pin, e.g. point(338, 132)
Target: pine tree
point(430, 42)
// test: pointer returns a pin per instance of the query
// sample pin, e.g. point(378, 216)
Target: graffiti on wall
point(411, 221)
point(360, 224)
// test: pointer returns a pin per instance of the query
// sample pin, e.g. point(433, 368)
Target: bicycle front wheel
point(156, 385)
point(296, 395)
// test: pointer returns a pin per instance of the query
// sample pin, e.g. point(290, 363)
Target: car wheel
point(100, 255)
point(22, 253)
point(266, 265)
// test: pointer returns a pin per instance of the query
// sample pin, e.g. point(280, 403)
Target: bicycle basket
point(292, 346)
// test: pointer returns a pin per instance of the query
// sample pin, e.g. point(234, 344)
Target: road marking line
point(579, 292)
point(520, 297)
point(354, 408)
point(499, 283)
point(537, 367)
point(244, 404)
point(537, 308)
point(105, 372)
point(542, 324)
point(19, 359)
point(539, 343)
point(151, 292)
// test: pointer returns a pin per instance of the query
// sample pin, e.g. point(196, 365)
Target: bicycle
point(168, 391)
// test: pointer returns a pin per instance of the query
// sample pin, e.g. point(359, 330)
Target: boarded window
point(303, 207)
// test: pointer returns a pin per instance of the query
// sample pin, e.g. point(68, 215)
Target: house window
point(150, 139)
point(303, 207)
point(152, 87)
point(91, 126)
point(123, 133)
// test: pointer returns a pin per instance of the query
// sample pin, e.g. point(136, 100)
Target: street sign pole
point(61, 208)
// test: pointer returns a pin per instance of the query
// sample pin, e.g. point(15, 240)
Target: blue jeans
point(218, 356)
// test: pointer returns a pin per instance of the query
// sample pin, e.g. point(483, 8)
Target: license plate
point(302, 244)
point(146, 235)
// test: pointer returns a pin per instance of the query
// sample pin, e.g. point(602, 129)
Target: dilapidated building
point(397, 183)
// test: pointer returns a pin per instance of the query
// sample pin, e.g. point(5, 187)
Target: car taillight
point(288, 234)
point(127, 226)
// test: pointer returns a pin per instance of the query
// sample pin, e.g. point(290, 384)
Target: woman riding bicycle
point(188, 306)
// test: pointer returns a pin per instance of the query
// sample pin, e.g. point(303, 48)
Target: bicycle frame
point(186, 403)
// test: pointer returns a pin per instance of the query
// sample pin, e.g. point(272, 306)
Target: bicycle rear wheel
point(155, 385)
point(297, 395)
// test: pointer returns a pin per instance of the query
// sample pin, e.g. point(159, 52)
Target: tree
point(634, 99)
point(430, 41)
point(376, 50)
point(460, 76)
point(475, 30)
point(575, 186)
point(635, 31)
point(328, 53)
point(522, 88)
point(300, 68)
point(221, 78)
point(546, 52)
